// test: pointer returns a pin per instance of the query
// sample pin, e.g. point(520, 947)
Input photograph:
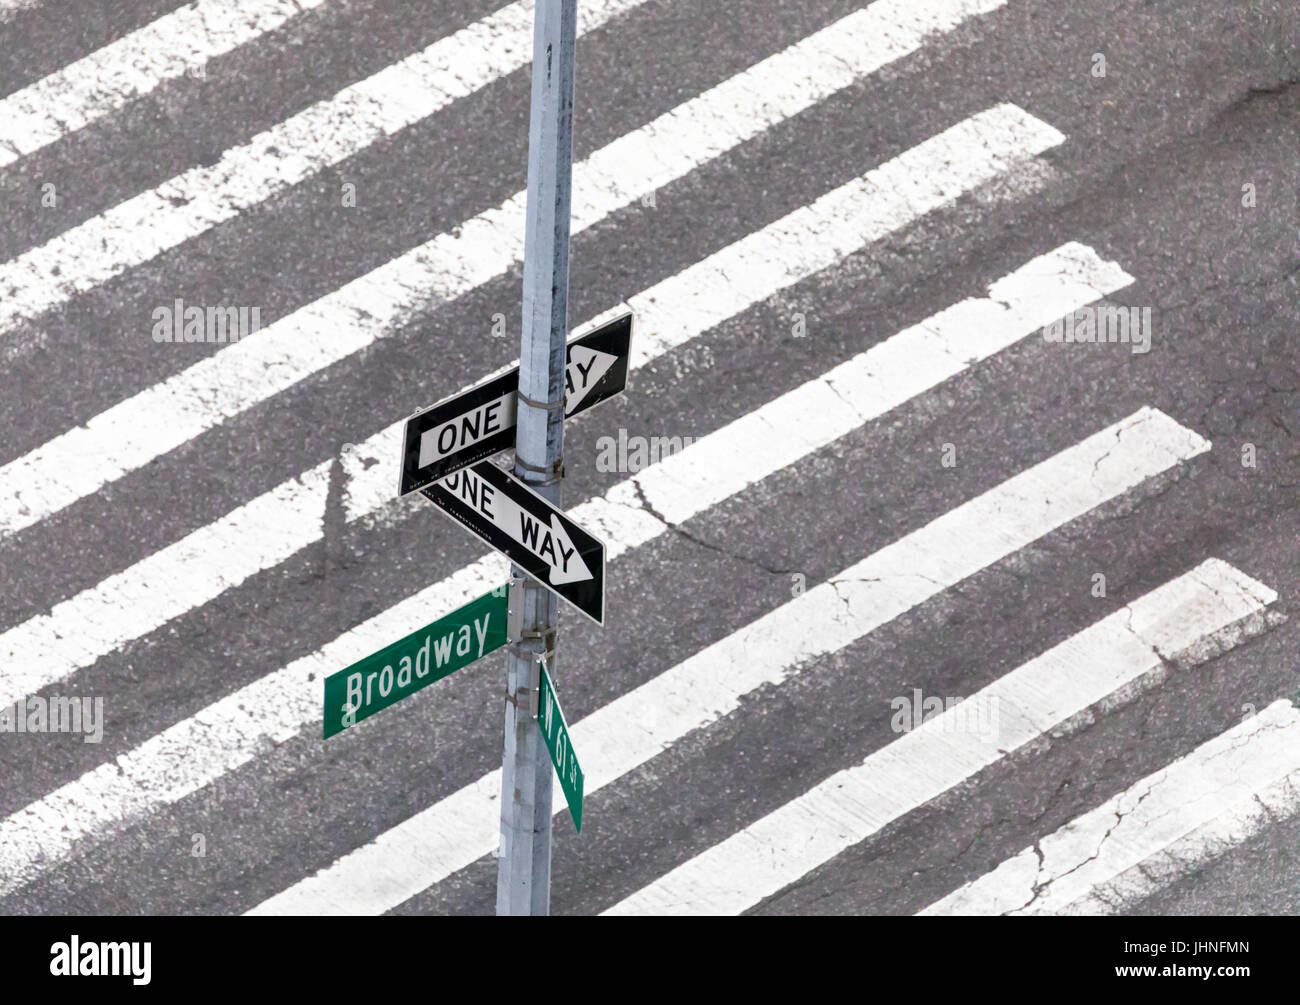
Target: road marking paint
point(635, 727)
point(8, 8)
point(1105, 662)
point(145, 596)
point(97, 85)
point(166, 415)
point(236, 728)
point(1170, 823)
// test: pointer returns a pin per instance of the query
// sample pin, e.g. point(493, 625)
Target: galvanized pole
point(524, 870)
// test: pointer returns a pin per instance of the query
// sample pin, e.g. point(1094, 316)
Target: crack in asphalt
point(695, 539)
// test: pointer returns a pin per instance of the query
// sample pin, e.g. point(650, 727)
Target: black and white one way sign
point(528, 530)
point(480, 422)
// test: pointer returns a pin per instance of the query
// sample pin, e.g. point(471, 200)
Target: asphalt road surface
point(954, 541)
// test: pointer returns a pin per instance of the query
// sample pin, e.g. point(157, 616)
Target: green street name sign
point(432, 653)
point(555, 733)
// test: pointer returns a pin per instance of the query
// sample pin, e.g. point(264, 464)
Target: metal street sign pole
point(524, 869)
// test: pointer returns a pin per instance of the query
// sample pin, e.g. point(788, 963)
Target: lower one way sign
point(528, 530)
point(555, 733)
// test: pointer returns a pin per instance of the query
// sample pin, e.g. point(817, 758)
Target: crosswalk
point(164, 416)
point(193, 753)
point(1124, 452)
point(850, 604)
point(326, 133)
point(286, 519)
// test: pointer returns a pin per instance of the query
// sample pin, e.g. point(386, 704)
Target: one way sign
point(480, 422)
point(528, 530)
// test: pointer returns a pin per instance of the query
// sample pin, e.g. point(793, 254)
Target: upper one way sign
point(475, 424)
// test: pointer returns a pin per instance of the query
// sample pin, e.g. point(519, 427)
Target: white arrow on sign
point(551, 544)
point(586, 367)
point(574, 569)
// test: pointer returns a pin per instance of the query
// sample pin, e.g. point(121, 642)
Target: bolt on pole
point(524, 867)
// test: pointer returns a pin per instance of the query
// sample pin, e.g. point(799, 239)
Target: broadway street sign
point(528, 530)
point(480, 422)
point(555, 733)
point(418, 660)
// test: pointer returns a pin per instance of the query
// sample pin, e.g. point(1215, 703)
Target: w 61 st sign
point(555, 731)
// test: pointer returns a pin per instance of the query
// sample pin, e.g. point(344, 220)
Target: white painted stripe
point(9, 7)
point(233, 730)
point(635, 727)
point(183, 41)
point(1170, 823)
point(166, 415)
point(180, 577)
point(1103, 664)
point(324, 134)
point(79, 630)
